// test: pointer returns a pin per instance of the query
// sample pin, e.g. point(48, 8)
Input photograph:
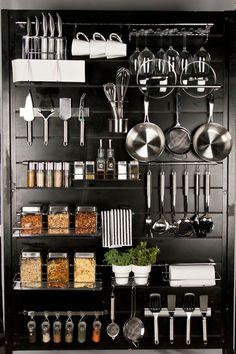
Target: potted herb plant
point(121, 264)
point(142, 259)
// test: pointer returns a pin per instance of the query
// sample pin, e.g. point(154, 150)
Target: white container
point(141, 274)
point(48, 70)
point(121, 274)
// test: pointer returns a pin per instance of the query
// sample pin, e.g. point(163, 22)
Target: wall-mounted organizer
point(178, 198)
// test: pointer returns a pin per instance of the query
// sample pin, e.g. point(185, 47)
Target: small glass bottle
point(31, 325)
point(69, 330)
point(49, 174)
point(134, 170)
point(57, 330)
point(97, 327)
point(40, 174)
point(110, 162)
point(66, 175)
point(46, 337)
point(100, 162)
point(57, 174)
point(82, 327)
point(31, 172)
point(89, 170)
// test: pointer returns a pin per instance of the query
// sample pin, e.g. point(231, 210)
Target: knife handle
point(51, 47)
point(29, 133)
point(204, 330)
point(44, 47)
point(171, 330)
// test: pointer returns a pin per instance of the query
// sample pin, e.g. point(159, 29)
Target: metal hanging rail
point(64, 313)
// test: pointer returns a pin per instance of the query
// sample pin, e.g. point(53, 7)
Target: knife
point(51, 39)
point(203, 308)
point(36, 50)
point(26, 41)
point(29, 116)
point(44, 39)
point(59, 40)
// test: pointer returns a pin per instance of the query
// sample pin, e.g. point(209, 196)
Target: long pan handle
point(207, 191)
point(149, 177)
point(185, 193)
point(173, 180)
point(162, 190)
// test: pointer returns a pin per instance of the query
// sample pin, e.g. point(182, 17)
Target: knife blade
point(29, 116)
point(26, 41)
point(59, 40)
point(51, 39)
point(44, 38)
point(36, 42)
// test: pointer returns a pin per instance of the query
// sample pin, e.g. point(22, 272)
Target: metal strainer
point(133, 328)
point(113, 328)
point(178, 138)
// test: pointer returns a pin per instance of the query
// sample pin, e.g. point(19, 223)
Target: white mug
point(97, 46)
point(80, 46)
point(115, 48)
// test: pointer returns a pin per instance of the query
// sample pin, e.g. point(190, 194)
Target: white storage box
point(48, 70)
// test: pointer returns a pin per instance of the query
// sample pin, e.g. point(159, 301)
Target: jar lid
point(86, 208)
point(84, 255)
point(31, 209)
point(92, 163)
point(32, 165)
point(40, 165)
point(29, 254)
point(134, 162)
point(49, 166)
point(57, 255)
point(57, 166)
point(66, 166)
point(58, 208)
point(78, 164)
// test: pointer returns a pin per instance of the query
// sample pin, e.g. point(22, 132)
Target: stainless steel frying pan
point(145, 141)
point(212, 141)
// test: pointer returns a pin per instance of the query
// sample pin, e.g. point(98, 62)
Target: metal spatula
point(65, 114)
point(29, 116)
point(171, 303)
point(189, 307)
point(203, 308)
point(155, 308)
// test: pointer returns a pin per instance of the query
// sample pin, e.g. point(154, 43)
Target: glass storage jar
point(58, 219)
point(31, 220)
point(57, 270)
point(30, 269)
point(86, 220)
point(84, 270)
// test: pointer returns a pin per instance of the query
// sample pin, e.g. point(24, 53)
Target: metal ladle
point(185, 227)
point(113, 328)
point(205, 222)
point(161, 225)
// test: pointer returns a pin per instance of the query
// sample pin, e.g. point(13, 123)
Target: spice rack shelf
point(43, 285)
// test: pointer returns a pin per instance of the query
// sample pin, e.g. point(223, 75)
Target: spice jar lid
point(32, 165)
point(66, 166)
point(58, 166)
point(134, 163)
point(90, 163)
point(49, 166)
point(58, 209)
point(78, 164)
point(30, 254)
point(86, 208)
point(84, 255)
point(29, 209)
point(57, 255)
point(40, 165)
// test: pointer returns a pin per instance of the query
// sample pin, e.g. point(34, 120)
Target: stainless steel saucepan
point(212, 141)
point(145, 141)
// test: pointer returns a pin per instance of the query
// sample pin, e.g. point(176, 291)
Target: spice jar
point(30, 269)
point(86, 220)
point(58, 219)
point(57, 330)
point(69, 330)
point(31, 220)
point(82, 327)
point(49, 174)
point(97, 327)
point(89, 170)
point(66, 175)
point(57, 270)
point(31, 326)
point(40, 174)
point(57, 174)
point(84, 270)
point(78, 170)
point(45, 326)
point(31, 173)
point(134, 170)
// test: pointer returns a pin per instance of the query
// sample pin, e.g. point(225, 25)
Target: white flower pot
point(121, 274)
point(141, 274)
